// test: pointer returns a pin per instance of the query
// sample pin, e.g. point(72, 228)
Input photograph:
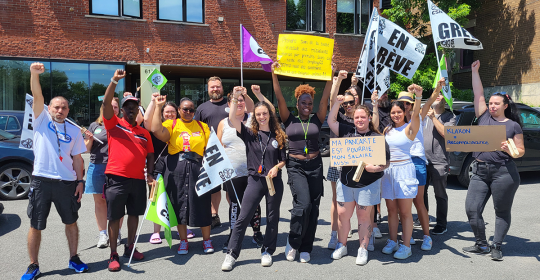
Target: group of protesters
point(168, 139)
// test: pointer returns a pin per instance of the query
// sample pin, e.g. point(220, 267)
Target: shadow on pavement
point(9, 223)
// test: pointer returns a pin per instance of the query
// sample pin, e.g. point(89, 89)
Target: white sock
point(103, 232)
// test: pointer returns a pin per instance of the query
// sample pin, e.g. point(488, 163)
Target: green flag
point(161, 211)
point(442, 72)
point(157, 79)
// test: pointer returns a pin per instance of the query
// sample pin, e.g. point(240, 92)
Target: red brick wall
point(508, 30)
point(48, 29)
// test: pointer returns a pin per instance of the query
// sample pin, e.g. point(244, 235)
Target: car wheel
point(466, 173)
point(324, 144)
point(15, 179)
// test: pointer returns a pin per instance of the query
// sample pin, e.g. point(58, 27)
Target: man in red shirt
point(130, 148)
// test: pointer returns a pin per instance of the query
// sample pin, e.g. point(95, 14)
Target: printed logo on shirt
point(196, 134)
point(98, 130)
point(275, 144)
point(227, 109)
point(186, 145)
point(61, 135)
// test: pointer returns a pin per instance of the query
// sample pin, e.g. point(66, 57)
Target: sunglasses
point(188, 110)
point(348, 103)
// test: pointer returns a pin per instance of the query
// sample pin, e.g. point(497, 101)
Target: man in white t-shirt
point(57, 176)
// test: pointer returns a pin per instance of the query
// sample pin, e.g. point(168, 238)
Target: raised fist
point(37, 68)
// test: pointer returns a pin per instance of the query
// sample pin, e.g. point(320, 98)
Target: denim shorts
point(421, 170)
point(95, 178)
point(366, 196)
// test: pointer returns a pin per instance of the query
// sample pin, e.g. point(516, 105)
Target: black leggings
point(255, 191)
point(499, 181)
point(240, 185)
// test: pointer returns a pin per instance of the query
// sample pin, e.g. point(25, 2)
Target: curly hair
point(304, 89)
point(281, 137)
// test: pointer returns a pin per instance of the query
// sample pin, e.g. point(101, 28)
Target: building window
point(181, 10)
point(305, 15)
point(352, 16)
point(126, 8)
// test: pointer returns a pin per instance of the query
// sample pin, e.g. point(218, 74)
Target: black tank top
point(302, 134)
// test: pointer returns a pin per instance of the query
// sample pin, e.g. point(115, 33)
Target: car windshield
point(6, 135)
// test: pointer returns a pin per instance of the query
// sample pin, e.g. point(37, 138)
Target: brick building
point(83, 42)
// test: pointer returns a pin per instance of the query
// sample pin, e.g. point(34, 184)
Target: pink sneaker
point(183, 248)
point(207, 246)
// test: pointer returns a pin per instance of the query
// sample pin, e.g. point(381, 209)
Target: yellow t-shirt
point(187, 137)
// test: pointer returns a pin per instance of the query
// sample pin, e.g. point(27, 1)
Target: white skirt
point(399, 181)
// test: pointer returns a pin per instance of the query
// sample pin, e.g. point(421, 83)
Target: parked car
point(461, 162)
point(16, 167)
point(11, 121)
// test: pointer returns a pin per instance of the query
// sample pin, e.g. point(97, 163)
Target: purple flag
point(252, 52)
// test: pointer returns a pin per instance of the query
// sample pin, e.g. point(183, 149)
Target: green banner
point(442, 72)
point(161, 211)
point(157, 79)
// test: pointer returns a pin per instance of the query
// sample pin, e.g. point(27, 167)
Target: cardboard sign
point(477, 138)
point(305, 56)
point(350, 151)
point(399, 50)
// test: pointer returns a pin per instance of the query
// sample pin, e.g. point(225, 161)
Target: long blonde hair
point(99, 120)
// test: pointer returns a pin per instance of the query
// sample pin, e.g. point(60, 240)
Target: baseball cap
point(128, 98)
point(406, 96)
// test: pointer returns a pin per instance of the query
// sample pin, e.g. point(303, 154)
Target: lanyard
point(58, 138)
point(261, 166)
point(306, 129)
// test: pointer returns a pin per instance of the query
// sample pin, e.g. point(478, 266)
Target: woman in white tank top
point(399, 183)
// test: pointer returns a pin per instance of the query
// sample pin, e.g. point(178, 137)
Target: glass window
point(530, 118)
point(3, 122)
point(71, 80)
point(306, 15)
point(13, 124)
point(169, 89)
point(132, 8)
point(352, 16)
point(128, 8)
point(15, 83)
point(181, 10)
point(193, 88)
point(100, 78)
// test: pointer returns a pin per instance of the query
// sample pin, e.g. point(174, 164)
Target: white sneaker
point(362, 257)
point(290, 253)
point(377, 233)
point(403, 252)
point(371, 246)
point(391, 246)
point(266, 259)
point(305, 257)
point(103, 241)
point(426, 245)
point(228, 263)
point(412, 242)
point(350, 233)
point(333, 241)
point(340, 252)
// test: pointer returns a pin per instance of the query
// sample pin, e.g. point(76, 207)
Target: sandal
point(155, 238)
point(190, 234)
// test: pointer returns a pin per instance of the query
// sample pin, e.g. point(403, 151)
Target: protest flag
point(157, 79)
point(252, 52)
point(161, 211)
point(442, 72)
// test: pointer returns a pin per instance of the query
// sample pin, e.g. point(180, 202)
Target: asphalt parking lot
point(445, 261)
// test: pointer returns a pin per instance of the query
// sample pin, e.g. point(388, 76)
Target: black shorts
point(43, 191)
point(123, 193)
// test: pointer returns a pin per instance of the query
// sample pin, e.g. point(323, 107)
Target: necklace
point(261, 166)
point(306, 129)
point(58, 138)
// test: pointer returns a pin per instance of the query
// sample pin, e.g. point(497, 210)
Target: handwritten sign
point(305, 56)
point(350, 151)
point(478, 138)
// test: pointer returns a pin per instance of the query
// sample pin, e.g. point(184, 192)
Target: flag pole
point(234, 189)
point(438, 60)
point(241, 56)
point(376, 51)
point(138, 231)
point(364, 73)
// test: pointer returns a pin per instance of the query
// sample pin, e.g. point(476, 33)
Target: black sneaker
point(216, 222)
point(438, 230)
point(496, 253)
point(258, 239)
point(417, 223)
point(477, 249)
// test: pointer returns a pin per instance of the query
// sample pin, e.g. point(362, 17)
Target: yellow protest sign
point(350, 151)
point(305, 56)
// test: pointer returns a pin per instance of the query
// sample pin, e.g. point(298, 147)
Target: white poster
point(216, 167)
point(448, 32)
point(27, 133)
point(400, 51)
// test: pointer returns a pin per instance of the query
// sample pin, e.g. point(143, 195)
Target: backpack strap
point(204, 133)
point(174, 123)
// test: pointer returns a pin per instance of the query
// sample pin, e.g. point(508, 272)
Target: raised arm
point(157, 128)
point(323, 106)
point(479, 99)
point(332, 116)
point(256, 89)
point(237, 91)
point(414, 125)
point(335, 86)
point(374, 100)
point(249, 102)
point(282, 104)
point(35, 70)
point(108, 111)
point(436, 123)
point(150, 111)
point(433, 97)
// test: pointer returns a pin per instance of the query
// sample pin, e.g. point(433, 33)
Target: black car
point(11, 121)
point(461, 162)
point(16, 167)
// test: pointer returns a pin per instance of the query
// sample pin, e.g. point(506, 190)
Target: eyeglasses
point(348, 103)
point(188, 110)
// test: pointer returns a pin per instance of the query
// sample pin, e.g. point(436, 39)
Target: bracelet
point(418, 97)
point(113, 81)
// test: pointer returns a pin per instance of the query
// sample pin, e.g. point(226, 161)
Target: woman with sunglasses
point(187, 140)
point(399, 183)
point(304, 165)
point(265, 149)
point(236, 152)
point(494, 173)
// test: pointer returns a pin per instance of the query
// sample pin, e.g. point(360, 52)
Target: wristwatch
point(81, 181)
